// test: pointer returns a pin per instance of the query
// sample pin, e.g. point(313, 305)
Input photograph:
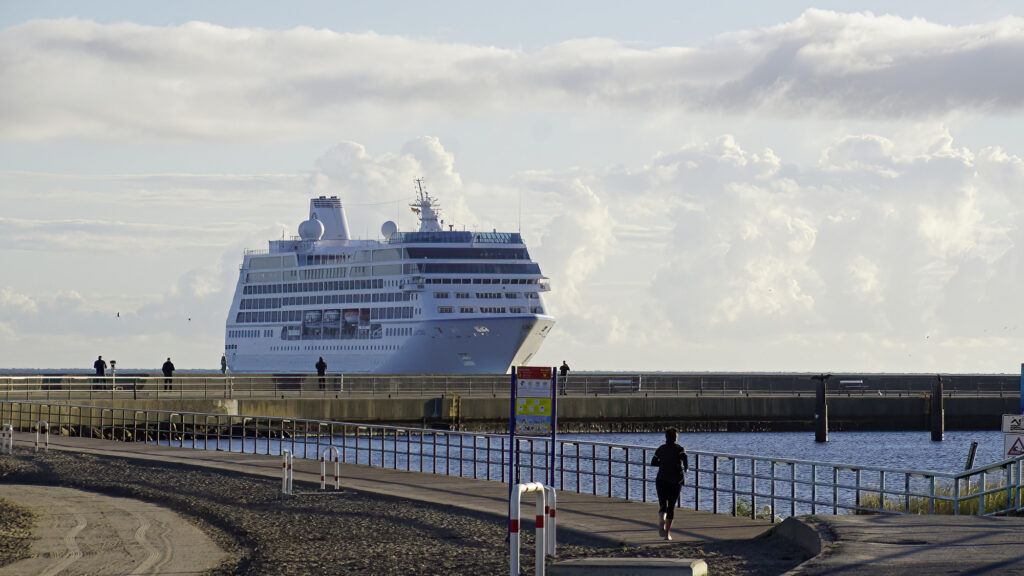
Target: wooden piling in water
point(938, 419)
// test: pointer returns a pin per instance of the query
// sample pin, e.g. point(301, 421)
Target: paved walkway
point(882, 545)
point(613, 519)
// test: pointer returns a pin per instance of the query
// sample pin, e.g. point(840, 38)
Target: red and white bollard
point(549, 529)
point(333, 451)
point(46, 441)
point(287, 472)
point(542, 511)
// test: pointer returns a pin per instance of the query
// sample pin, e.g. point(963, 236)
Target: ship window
point(516, 310)
point(444, 309)
point(512, 295)
point(462, 294)
point(466, 309)
point(440, 294)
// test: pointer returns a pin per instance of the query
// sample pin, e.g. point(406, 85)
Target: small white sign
point(1013, 423)
point(1013, 445)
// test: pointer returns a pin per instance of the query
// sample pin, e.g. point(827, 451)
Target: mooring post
point(971, 452)
point(938, 416)
point(821, 409)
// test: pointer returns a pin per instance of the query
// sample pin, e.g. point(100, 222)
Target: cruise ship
point(434, 301)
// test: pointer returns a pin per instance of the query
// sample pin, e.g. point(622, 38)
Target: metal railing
point(769, 488)
point(147, 386)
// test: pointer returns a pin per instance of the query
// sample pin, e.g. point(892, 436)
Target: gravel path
point(352, 533)
point(16, 523)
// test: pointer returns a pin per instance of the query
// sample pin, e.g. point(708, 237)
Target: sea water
point(901, 450)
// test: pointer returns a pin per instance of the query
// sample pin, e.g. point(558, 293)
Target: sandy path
point(82, 532)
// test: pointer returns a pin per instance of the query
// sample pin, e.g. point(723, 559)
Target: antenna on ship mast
point(519, 221)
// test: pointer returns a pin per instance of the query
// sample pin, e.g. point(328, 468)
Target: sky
point(737, 186)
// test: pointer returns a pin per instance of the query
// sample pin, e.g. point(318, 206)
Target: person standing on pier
point(168, 369)
point(670, 458)
point(563, 371)
point(321, 371)
point(100, 366)
point(223, 364)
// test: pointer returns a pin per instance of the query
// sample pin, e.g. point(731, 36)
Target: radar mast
point(426, 208)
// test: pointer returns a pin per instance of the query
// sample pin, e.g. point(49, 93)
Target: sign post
point(1013, 435)
point(532, 414)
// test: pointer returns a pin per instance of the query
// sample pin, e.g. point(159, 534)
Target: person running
point(321, 371)
point(168, 369)
point(670, 458)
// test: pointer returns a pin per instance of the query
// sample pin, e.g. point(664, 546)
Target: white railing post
point(286, 472)
point(513, 530)
point(332, 450)
point(541, 544)
point(6, 439)
point(46, 441)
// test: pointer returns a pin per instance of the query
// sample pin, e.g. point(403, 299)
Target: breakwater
point(737, 413)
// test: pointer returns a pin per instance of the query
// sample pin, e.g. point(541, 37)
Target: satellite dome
point(311, 229)
point(388, 228)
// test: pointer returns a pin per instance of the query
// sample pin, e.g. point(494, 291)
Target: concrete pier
point(581, 413)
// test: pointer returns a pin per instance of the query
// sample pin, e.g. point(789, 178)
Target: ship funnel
point(331, 213)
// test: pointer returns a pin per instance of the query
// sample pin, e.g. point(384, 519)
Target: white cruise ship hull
point(462, 346)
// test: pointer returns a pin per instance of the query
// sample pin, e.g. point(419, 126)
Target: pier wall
point(611, 414)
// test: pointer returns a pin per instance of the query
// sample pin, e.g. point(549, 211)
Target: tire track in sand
point(74, 553)
point(153, 555)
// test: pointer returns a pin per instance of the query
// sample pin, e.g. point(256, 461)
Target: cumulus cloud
point(867, 251)
point(77, 78)
point(378, 187)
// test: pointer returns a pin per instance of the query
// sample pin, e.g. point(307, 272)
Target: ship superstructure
point(432, 301)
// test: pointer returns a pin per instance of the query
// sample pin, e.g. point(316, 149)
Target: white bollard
point(287, 473)
point(46, 441)
point(6, 439)
point(517, 491)
point(549, 528)
point(333, 450)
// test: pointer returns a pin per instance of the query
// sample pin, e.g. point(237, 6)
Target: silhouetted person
point(223, 364)
point(101, 370)
point(168, 369)
point(321, 371)
point(670, 458)
point(564, 372)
